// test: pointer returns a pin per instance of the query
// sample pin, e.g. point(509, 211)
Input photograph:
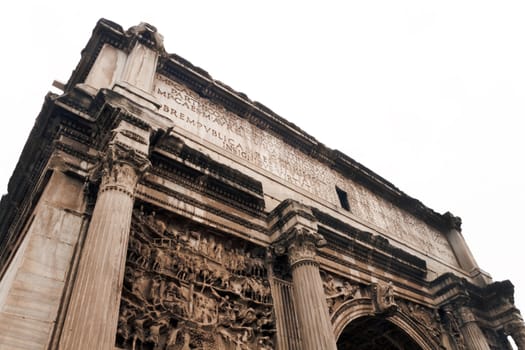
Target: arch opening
point(374, 333)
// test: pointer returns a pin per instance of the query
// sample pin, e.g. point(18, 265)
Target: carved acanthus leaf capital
point(466, 315)
point(300, 244)
point(121, 167)
point(120, 153)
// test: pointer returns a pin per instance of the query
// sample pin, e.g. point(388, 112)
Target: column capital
point(460, 307)
point(118, 153)
point(301, 244)
point(121, 168)
point(473, 336)
point(466, 315)
point(124, 159)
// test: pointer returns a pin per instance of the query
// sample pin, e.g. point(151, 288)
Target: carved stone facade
point(156, 208)
point(185, 284)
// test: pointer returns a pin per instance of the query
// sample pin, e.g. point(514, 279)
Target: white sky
point(428, 94)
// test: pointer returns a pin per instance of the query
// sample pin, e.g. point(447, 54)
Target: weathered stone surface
point(209, 122)
point(157, 208)
point(35, 280)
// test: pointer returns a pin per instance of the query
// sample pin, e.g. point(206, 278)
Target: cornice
point(176, 148)
point(201, 183)
point(380, 243)
point(148, 183)
point(105, 32)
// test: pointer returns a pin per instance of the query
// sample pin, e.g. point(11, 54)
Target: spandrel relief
point(188, 288)
point(429, 319)
point(384, 297)
point(338, 291)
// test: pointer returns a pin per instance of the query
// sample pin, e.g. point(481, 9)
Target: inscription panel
point(237, 136)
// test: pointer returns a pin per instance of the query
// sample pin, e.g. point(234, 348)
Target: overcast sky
point(428, 94)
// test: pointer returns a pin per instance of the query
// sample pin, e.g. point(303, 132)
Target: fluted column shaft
point(92, 315)
point(472, 334)
point(314, 319)
point(310, 302)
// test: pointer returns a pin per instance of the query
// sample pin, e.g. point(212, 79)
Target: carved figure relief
point(383, 296)
point(428, 318)
point(452, 327)
point(186, 288)
point(338, 291)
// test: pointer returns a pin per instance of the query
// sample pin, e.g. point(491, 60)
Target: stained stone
point(156, 208)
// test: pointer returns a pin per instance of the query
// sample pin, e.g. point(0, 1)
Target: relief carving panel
point(338, 291)
point(428, 319)
point(237, 136)
point(188, 288)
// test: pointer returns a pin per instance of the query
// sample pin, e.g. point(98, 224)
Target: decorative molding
point(197, 204)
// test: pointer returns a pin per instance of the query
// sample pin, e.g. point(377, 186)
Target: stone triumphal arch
point(156, 208)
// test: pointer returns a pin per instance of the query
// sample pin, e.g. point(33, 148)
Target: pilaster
point(130, 68)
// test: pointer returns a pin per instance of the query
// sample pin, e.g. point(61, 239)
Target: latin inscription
point(237, 136)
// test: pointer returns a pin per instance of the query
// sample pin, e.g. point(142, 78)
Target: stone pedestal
point(310, 301)
point(92, 315)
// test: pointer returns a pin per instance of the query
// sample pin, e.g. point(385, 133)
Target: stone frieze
point(187, 288)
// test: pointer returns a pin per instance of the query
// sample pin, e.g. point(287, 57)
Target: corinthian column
point(92, 314)
point(472, 334)
point(312, 311)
